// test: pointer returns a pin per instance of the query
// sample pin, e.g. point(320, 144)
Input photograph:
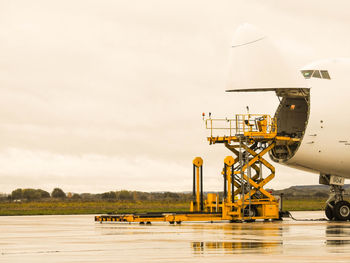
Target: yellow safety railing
point(244, 125)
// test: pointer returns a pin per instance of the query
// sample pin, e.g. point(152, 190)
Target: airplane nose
point(246, 34)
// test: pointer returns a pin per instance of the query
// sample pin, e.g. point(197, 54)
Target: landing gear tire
point(342, 211)
point(329, 210)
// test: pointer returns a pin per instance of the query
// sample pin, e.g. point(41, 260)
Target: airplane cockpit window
point(307, 73)
point(316, 74)
point(320, 74)
point(325, 74)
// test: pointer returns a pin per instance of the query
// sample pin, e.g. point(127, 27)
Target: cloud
point(101, 95)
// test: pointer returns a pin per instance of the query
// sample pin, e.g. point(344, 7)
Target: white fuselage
point(325, 146)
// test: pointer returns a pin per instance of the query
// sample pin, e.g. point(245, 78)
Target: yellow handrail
point(244, 125)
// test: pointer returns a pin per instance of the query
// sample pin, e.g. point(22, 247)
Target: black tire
point(329, 210)
point(342, 211)
point(253, 213)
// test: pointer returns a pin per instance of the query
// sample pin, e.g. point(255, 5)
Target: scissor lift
point(249, 137)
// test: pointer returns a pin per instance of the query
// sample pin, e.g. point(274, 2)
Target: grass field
point(102, 207)
point(304, 205)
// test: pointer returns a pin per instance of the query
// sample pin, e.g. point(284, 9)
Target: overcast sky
point(107, 95)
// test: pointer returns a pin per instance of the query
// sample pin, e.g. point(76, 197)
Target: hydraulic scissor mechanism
point(244, 196)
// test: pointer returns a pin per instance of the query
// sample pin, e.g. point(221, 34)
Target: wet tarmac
point(80, 239)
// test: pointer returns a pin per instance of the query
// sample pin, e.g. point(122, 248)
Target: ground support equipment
point(244, 198)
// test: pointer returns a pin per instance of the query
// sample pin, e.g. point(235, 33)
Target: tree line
point(29, 194)
point(35, 194)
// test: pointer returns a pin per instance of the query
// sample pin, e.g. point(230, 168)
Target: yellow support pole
point(229, 161)
point(197, 162)
point(197, 190)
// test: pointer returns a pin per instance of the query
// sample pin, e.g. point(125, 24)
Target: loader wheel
point(253, 212)
point(329, 210)
point(342, 211)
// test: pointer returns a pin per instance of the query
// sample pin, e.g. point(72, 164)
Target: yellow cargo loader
point(249, 137)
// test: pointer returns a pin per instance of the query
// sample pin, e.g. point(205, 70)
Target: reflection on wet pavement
point(338, 237)
point(79, 239)
point(237, 247)
point(259, 237)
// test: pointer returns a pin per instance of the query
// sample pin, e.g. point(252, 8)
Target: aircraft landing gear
point(329, 210)
point(342, 211)
point(337, 209)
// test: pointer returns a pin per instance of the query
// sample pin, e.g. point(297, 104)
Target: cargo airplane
point(313, 102)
